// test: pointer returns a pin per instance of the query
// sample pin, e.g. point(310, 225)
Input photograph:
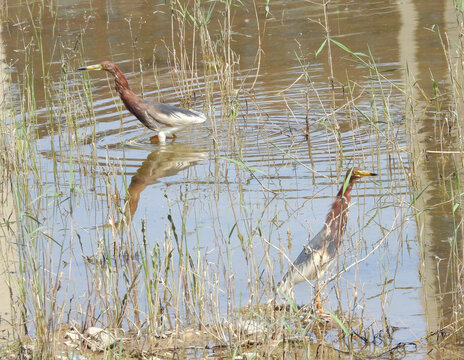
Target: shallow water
point(226, 215)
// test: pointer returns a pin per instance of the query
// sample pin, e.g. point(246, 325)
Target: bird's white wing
point(172, 116)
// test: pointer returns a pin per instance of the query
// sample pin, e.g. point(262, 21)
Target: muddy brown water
point(405, 276)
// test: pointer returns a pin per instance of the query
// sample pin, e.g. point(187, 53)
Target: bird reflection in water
point(163, 162)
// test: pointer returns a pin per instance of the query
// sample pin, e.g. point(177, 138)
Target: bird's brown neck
point(120, 81)
point(337, 217)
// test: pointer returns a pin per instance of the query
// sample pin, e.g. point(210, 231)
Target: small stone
point(99, 339)
point(27, 351)
point(72, 335)
point(71, 344)
point(250, 327)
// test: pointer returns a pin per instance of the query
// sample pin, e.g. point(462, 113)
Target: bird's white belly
point(313, 269)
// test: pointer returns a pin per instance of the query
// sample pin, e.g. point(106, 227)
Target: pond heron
point(163, 118)
point(321, 251)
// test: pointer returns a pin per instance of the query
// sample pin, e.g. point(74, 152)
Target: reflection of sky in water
point(221, 198)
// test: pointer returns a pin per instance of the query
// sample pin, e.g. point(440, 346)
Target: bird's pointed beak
point(91, 67)
point(363, 173)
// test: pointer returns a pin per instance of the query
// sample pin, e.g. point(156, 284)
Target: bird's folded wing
point(170, 115)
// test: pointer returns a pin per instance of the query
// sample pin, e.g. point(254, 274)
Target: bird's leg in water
point(319, 304)
point(172, 137)
point(161, 139)
point(317, 292)
point(154, 139)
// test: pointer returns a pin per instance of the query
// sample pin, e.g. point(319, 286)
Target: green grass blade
point(340, 323)
point(241, 164)
point(321, 48)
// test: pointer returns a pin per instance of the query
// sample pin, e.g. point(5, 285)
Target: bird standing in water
point(321, 251)
point(163, 118)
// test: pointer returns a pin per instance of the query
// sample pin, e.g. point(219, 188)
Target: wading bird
point(321, 251)
point(163, 118)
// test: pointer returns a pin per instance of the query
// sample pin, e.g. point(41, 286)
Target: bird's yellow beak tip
point(91, 67)
point(364, 173)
